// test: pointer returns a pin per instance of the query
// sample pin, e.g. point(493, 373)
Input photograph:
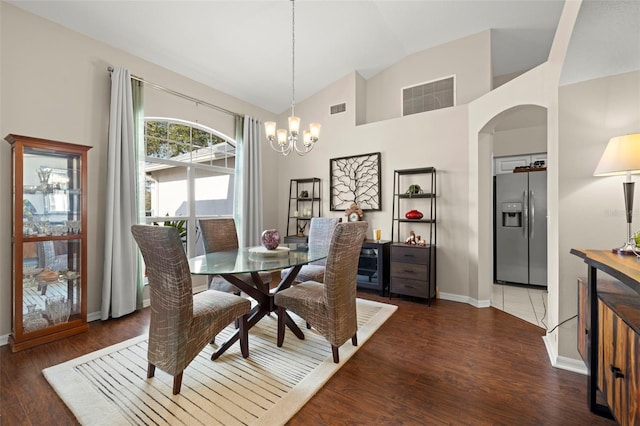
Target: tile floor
point(529, 304)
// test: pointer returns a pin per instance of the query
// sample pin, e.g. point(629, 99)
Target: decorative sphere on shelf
point(270, 239)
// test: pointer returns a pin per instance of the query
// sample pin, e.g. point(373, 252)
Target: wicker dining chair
point(182, 324)
point(221, 235)
point(320, 232)
point(330, 308)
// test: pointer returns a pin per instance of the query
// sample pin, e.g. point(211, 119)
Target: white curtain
point(120, 280)
point(248, 181)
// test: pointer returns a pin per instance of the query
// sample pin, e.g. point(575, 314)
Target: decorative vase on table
point(270, 239)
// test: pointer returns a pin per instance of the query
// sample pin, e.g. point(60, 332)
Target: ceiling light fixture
point(289, 142)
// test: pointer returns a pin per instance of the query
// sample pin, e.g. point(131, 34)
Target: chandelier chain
point(293, 56)
point(300, 141)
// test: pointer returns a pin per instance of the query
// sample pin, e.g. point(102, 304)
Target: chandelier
point(288, 141)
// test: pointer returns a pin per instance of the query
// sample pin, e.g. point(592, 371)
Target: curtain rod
point(181, 95)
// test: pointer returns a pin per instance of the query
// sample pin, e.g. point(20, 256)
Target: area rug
point(109, 386)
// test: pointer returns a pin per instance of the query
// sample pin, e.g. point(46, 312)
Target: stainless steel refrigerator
point(520, 239)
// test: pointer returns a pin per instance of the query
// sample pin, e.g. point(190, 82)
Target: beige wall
point(469, 59)
point(526, 140)
point(55, 85)
point(433, 139)
point(591, 209)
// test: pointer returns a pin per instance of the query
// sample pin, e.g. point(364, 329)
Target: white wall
point(55, 85)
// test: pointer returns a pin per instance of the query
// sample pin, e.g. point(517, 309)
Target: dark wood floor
point(445, 364)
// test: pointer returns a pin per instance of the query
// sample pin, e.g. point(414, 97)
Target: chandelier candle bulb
point(270, 128)
point(315, 131)
point(294, 125)
point(282, 137)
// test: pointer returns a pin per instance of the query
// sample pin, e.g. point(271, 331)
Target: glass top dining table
point(253, 260)
point(256, 259)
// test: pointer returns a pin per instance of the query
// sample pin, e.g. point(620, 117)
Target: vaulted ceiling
point(244, 48)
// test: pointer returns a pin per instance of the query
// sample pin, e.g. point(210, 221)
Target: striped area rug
point(109, 386)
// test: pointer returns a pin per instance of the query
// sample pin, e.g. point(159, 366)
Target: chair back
point(169, 283)
point(340, 277)
point(218, 234)
point(47, 257)
point(320, 233)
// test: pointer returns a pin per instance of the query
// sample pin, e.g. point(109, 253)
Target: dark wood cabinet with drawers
point(412, 273)
point(413, 262)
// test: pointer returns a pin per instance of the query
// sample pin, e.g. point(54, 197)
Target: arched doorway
point(516, 137)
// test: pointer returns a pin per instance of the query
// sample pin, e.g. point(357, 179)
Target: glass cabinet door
point(51, 278)
point(51, 227)
point(49, 240)
point(51, 199)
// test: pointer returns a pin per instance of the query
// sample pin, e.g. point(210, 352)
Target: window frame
point(191, 164)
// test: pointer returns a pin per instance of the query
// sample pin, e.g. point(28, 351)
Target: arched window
point(189, 174)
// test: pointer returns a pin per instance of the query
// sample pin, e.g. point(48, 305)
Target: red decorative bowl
point(413, 214)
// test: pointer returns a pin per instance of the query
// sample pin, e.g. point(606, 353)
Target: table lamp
point(620, 157)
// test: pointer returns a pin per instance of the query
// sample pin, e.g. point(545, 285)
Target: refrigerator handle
point(525, 211)
point(533, 213)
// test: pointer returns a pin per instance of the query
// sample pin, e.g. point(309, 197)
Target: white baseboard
point(562, 362)
point(465, 299)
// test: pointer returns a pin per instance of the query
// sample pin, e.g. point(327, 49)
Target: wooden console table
point(617, 342)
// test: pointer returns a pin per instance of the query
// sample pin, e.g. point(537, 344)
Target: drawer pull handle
point(408, 270)
point(617, 373)
point(409, 255)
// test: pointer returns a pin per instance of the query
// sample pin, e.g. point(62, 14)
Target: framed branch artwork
point(355, 179)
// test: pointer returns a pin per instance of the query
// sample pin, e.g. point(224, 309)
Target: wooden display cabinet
point(49, 243)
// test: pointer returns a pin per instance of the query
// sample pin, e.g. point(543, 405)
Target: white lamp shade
point(270, 129)
point(621, 156)
point(315, 130)
point(294, 125)
point(306, 138)
point(282, 137)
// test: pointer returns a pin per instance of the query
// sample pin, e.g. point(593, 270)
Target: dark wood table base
point(265, 306)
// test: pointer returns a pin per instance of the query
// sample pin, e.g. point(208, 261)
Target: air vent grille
point(428, 96)
point(336, 109)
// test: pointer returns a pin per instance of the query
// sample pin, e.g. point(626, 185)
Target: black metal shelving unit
point(413, 267)
point(299, 204)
